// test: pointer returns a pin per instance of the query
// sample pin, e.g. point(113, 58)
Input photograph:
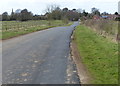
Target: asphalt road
point(39, 58)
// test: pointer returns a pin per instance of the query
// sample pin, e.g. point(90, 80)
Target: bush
point(117, 18)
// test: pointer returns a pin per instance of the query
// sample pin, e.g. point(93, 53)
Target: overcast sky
point(38, 6)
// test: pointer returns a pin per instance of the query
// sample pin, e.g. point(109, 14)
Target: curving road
point(39, 58)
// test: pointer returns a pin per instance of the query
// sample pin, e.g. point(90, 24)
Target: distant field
point(99, 54)
point(16, 28)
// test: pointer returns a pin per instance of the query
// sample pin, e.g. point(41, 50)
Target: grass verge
point(13, 30)
point(98, 54)
point(15, 33)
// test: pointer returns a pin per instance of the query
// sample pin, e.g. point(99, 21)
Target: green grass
point(98, 54)
point(10, 34)
point(13, 28)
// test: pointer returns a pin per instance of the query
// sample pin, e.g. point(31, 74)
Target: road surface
point(39, 58)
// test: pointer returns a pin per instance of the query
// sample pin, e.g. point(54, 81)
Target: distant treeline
point(52, 12)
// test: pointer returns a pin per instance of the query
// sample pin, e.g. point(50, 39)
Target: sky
point(39, 6)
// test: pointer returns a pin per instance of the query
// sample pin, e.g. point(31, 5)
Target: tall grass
point(104, 27)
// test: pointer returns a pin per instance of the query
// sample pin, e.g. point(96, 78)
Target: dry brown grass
point(104, 27)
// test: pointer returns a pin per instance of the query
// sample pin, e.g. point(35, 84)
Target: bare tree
point(53, 12)
point(51, 8)
point(95, 11)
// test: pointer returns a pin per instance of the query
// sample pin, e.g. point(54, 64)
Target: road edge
point(82, 71)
